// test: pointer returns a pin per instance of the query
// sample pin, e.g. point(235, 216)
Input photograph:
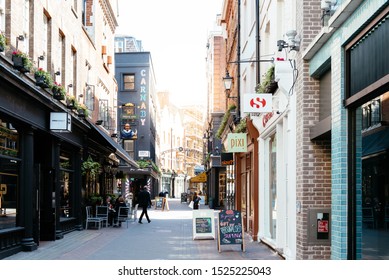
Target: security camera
point(326, 5)
point(281, 44)
point(293, 40)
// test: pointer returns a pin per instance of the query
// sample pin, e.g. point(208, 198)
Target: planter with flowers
point(59, 91)
point(42, 78)
point(71, 101)
point(21, 61)
point(82, 111)
point(3, 42)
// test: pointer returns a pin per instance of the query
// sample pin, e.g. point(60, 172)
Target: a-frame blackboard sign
point(230, 229)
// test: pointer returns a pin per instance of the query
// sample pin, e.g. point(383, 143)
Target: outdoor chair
point(91, 219)
point(102, 212)
point(123, 215)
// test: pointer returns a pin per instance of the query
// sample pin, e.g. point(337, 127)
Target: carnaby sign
point(236, 143)
point(257, 102)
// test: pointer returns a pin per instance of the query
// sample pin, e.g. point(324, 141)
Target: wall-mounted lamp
point(70, 85)
point(57, 73)
point(19, 38)
point(41, 57)
point(227, 80)
point(293, 41)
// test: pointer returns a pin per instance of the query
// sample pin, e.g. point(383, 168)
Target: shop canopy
point(201, 178)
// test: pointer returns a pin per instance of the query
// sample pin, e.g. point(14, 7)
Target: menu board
point(230, 229)
point(203, 224)
point(158, 202)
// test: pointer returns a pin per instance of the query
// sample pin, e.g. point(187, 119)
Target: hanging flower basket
point(58, 91)
point(21, 62)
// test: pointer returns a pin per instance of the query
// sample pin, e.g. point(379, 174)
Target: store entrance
point(375, 178)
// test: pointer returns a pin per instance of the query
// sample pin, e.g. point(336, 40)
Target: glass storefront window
point(375, 177)
point(9, 174)
point(8, 192)
point(273, 184)
point(66, 181)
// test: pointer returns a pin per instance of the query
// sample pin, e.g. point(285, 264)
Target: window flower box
point(58, 91)
point(21, 61)
point(43, 78)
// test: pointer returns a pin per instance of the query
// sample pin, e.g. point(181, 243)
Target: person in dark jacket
point(144, 201)
point(120, 203)
point(196, 201)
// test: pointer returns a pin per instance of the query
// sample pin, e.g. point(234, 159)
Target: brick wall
point(313, 166)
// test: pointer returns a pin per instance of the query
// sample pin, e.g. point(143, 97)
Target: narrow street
point(168, 237)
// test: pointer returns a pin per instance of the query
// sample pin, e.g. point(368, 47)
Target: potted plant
point(43, 78)
point(82, 111)
point(71, 101)
point(90, 167)
point(3, 42)
point(59, 91)
point(269, 85)
point(21, 61)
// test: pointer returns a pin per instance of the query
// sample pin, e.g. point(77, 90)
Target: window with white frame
point(2, 16)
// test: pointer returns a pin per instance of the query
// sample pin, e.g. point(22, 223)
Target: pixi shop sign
point(236, 143)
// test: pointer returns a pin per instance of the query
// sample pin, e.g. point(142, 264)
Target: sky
point(175, 32)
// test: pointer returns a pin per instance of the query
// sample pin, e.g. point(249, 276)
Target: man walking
point(144, 201)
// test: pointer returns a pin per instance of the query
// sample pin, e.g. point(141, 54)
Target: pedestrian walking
point(196, 201)
point(144, 201)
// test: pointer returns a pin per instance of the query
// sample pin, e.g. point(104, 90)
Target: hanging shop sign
point(236, 143)
point(227, 159)
point(257, 102)
point(60, 122)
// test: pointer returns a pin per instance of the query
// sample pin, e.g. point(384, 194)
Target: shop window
point(8, 192)
point(8, 140)
point(66, 180)
point(273, 185)
point(371, 114)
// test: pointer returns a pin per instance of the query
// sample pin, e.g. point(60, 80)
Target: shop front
point(367, 103)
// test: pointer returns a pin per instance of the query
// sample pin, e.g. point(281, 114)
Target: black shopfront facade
point(43, 193)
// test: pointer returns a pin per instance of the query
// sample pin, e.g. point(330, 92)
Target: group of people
point(113, 209)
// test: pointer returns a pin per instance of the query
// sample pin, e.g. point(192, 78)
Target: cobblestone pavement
point(169, 236)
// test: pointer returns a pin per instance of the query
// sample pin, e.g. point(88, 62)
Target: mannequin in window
point(128, 133)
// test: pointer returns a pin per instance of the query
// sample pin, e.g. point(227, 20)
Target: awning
point(119, 151)
point(375, 142)
point(201, 178)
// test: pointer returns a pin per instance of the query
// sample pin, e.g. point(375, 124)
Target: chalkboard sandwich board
point(230, 229)
point(159, 202)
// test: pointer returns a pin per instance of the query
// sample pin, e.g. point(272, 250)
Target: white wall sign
point(144, 153)
point(257, 102)
point(60, 122)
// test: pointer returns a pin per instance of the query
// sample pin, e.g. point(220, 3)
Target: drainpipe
point(258, 42)
point(238, 66)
